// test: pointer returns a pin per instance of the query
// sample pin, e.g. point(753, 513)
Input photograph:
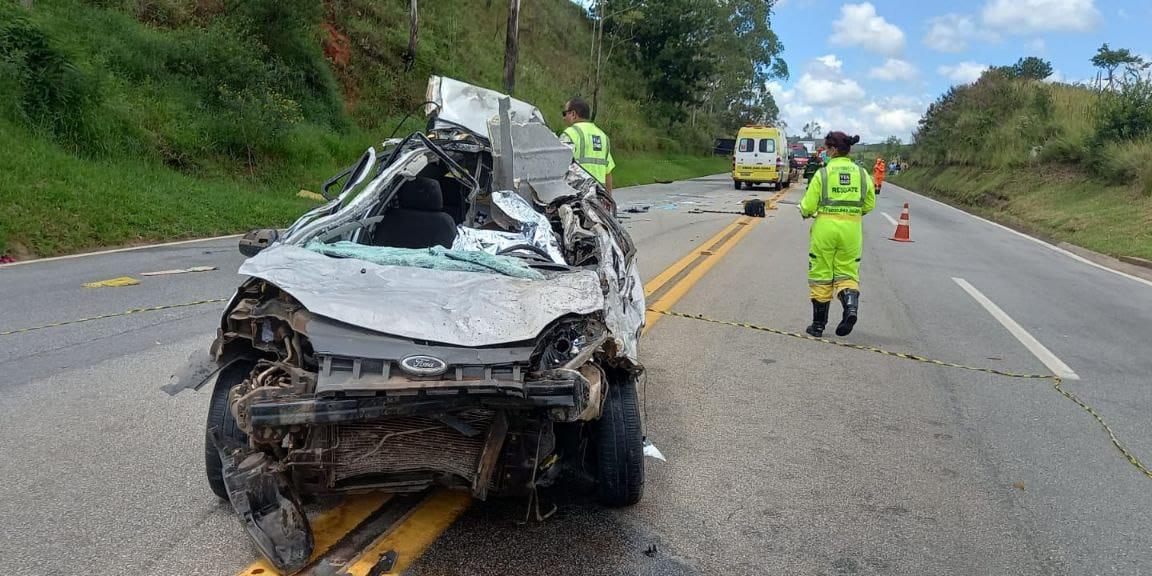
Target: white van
point(761, 157)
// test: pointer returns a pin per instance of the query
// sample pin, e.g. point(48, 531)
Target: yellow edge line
point(330, 527)
point(683, 286)
point(670, 272)
point(415, 533)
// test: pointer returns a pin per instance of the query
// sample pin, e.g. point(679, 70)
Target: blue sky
point(872, 68)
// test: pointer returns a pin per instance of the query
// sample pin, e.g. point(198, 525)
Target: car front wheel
point(220, 418)
point(620, 446)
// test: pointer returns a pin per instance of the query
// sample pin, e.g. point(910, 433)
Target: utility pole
point(598, 45)
point(413, 30)
point(511, 46)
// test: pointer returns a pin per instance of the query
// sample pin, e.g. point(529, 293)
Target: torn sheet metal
point(472, 106)
point(624, 312)
point(533, 225)
point(459, 308)
point(540, 162)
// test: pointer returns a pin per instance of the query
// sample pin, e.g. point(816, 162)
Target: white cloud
point(825, 94)
point(824, 83)
point(1037, 45)
point(830, 62)
point(950, 33)
point(859, 25)
point(963, 73)
point(894, 69)
point(1031, 16)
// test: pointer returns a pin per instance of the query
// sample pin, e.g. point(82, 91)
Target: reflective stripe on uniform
point(594, 161)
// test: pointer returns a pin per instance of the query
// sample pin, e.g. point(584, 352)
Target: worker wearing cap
point(838, 197)
point(590, 146)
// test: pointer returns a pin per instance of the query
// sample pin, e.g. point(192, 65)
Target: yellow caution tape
point(113, 315)
point(1057, 383)
point(113, 283)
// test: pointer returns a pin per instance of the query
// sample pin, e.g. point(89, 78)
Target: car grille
point(413, 444)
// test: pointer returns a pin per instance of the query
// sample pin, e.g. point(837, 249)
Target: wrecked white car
point(463, 312)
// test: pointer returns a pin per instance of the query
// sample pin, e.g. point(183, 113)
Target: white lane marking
point(1038, 350)
point(890, 219)
point(1052, 247)
point(117, 250)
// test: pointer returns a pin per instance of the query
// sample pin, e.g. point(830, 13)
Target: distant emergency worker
point(878, 173)
point(838, 197)
point(590, 146)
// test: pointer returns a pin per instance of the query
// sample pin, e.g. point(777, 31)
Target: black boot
point(819, 318)
point(851, 301)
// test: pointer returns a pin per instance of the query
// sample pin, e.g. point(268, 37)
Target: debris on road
point(651, 551)
point(113, 283)
point(384, 564)
point(6, 259)
point(651, 451)
point(180, 271)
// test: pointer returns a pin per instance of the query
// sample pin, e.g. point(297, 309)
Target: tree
point(812, 130)
point(1032, 68)
point(713, 56)
point(1109, 61)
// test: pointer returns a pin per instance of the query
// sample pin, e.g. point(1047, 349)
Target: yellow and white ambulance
point(761, 157)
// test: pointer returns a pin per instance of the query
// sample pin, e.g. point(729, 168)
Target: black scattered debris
point(384, 564)
point(651, 551)
point(637, 209)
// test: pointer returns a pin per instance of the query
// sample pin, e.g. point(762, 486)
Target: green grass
point(646, 168)
point(55, 203)
point(134, 122)
point(1068, 207)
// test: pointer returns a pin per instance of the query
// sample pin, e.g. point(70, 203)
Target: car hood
point(458, 308)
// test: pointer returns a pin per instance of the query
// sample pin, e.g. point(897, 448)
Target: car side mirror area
point(257, 240)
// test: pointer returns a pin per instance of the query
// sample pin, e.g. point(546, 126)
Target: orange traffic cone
point(902, 231)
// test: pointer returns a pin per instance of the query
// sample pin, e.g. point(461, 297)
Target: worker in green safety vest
point(838, 197)
point(590, 146)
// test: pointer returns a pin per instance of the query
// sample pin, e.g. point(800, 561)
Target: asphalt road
point(785, 456)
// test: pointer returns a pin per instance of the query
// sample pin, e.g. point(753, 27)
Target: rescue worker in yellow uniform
point(838, 197)
point(590, 146)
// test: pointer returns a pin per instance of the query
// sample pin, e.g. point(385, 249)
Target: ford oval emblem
point(421, 365)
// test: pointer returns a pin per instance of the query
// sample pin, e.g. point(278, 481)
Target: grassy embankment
point(1065, 163)
point(130, 122)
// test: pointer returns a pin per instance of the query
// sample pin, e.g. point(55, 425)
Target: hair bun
point(855, 139)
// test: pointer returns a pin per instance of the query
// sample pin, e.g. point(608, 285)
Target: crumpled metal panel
point(540, 161)
point(531, 227)
point(459, 308)
point(472, 106)
point(532, 224)
point(624, 303)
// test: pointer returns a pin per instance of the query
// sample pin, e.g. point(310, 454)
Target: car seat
point(419, 221)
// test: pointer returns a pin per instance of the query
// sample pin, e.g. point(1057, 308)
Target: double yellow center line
point(423, 524)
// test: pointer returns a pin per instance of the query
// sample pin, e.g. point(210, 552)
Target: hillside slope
point(1065, 162)
point(141, 121)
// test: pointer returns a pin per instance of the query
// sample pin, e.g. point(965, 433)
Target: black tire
point(620, 447)
point(736, 184)
point(220, 417)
